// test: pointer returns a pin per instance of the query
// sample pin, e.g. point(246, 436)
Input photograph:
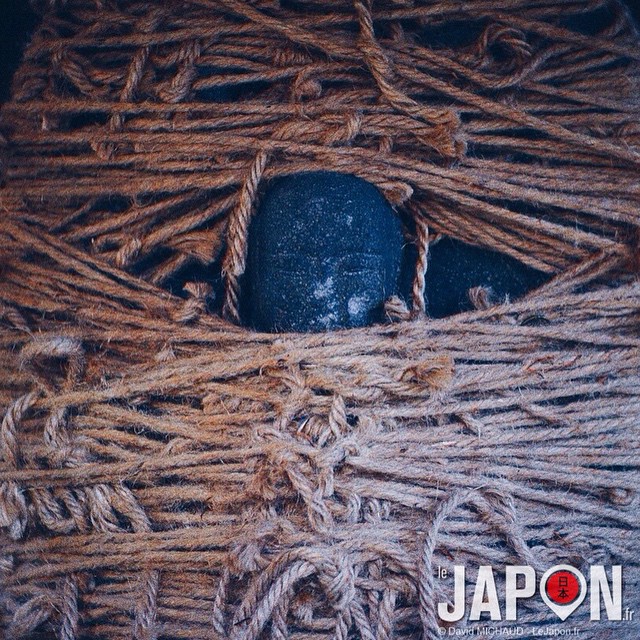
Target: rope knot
point(245, 558)
point(436, 372)
point(305, 87)
point(289, 57)
point(338, 579)
point(64, 348)
point(501, 45)
point(196, 304)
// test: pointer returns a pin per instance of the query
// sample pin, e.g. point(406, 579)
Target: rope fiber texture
point(167, 474)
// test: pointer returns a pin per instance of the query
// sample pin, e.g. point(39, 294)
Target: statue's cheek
point(316, 296)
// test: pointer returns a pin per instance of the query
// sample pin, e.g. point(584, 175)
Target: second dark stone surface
point(454, 267)
point(324, 253)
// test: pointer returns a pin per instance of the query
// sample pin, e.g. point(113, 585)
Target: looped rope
point(445, 122)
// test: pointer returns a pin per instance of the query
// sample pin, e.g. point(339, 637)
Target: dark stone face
point(324, 253)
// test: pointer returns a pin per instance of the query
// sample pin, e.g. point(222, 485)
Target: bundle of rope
point(166, 473)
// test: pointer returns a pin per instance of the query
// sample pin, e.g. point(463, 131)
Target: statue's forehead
point(312, 214)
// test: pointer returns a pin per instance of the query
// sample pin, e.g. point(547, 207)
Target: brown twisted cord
point(69, 609)
point(13, 508)
point(234, 262)
point(446, 122)
point(419, 283)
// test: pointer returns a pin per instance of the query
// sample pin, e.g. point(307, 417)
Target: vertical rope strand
point(422, 261)
point(235, 258)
